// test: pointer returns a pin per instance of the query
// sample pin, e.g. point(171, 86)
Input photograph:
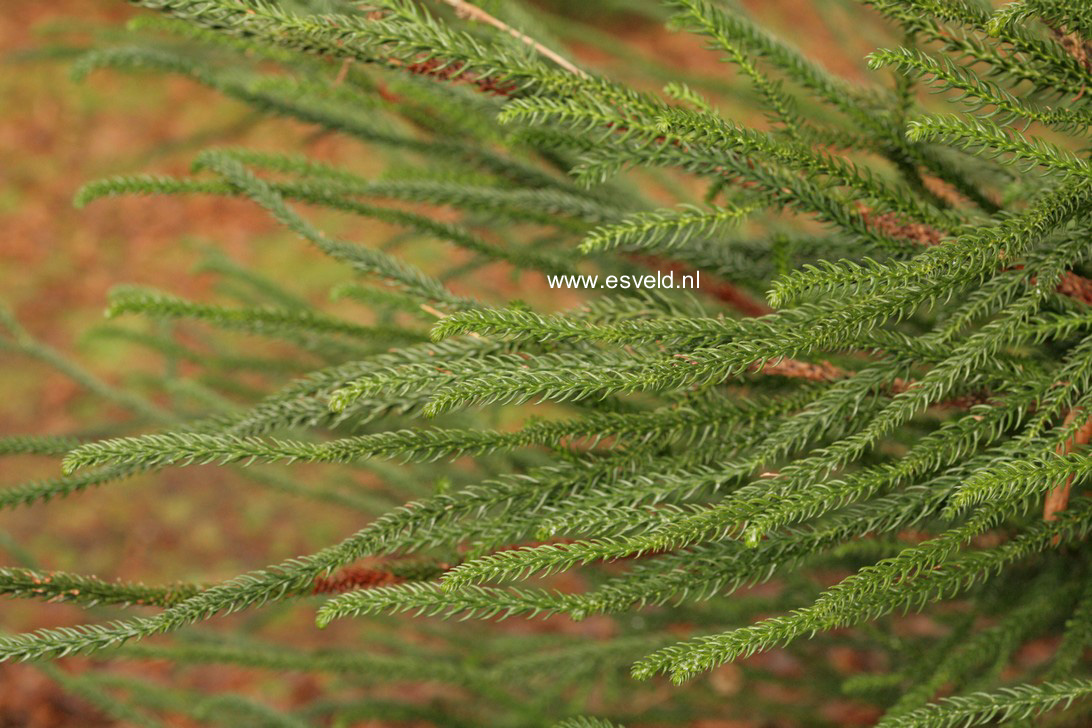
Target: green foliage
point(73, 588)
point(881, 437)
point(1007, 704)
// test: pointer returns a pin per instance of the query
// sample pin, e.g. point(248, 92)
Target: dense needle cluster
point(909, 410)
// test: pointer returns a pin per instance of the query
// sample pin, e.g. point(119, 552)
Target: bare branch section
point(1057, 499)
point(354, 577)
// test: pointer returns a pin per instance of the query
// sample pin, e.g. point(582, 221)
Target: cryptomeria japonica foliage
point(879, 399)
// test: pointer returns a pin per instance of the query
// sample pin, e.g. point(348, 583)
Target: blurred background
point(57, 264)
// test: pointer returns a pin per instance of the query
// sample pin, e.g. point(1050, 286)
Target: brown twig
point(821, 372)
point(721, 290)
point(889, 224)
point(1058, 497)
point(1077, 48)
point(1076, 287)
point(354, 577)
point(472, 12)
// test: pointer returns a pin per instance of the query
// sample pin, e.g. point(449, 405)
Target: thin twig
point(472, 12)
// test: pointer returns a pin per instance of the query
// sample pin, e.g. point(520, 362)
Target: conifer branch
point(957, 574)
point(1023, 701)
point(917, 386)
